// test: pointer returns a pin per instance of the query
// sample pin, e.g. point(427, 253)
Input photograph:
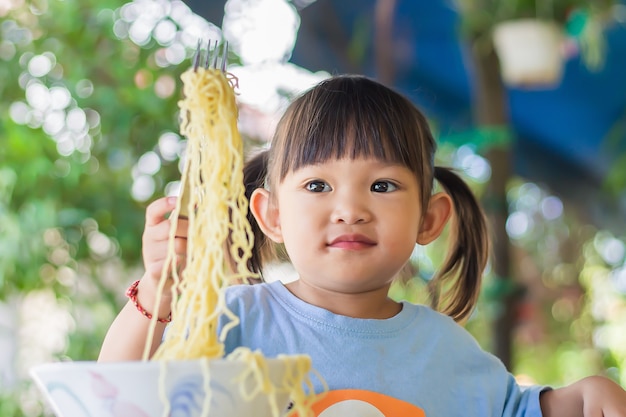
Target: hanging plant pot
point(529, 51)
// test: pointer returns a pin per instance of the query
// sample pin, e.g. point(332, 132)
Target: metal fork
point(211, 57)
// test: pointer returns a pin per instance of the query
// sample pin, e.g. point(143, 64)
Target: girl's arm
point(593, 396)
point(126, 338)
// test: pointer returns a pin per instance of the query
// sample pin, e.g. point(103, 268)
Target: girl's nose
point(350, 211)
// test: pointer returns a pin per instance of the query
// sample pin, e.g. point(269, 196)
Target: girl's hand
point(593, 396)
point(126, 337)
point(155, 239)
point(603, 397)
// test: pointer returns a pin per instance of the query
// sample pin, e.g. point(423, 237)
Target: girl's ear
point(266, 214)
point(435, 218)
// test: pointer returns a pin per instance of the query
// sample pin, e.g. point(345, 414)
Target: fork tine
point(215, 56)
point(212, 57)
point(208, 54)
point(224, 56)
point(196, 57)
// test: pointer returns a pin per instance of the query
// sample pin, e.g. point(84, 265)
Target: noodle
point(215, 204)
point(295, 381)
point(216, 210)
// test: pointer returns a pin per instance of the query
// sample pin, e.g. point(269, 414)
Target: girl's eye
point(383, 187)
point(318, 187)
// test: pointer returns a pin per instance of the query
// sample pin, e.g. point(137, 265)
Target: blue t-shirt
point(417, 363)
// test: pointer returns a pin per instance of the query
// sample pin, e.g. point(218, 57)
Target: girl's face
point(349, 226)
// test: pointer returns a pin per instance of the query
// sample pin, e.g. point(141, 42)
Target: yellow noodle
point(219, 244)
point(216, 209)
point(295, 381)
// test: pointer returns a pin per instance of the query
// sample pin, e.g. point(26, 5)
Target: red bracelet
point(131, 293)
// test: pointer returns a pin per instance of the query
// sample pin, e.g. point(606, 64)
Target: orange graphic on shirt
point(361, 403)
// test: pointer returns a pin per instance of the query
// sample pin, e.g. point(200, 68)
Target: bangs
point(350, 117)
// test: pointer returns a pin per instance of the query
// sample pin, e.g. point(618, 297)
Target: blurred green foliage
point(54, 206)
point(42, 189)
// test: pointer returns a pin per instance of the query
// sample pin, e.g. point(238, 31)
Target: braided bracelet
point(131, 293)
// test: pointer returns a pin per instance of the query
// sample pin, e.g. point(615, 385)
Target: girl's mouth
point(352, 241)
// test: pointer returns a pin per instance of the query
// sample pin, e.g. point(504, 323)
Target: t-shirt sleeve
point(523, 401)
point(500, 394)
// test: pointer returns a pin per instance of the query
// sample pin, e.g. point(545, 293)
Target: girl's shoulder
point(249, 303)
point(249, 297)
point(262, 289)
point(429, 314)
point(441, 325)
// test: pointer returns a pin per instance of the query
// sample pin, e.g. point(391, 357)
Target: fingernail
point(171, 201)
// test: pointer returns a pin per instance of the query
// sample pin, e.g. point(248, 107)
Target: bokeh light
point(471, 164)
point(261, 30)
point(169, 146)
point(518, 224)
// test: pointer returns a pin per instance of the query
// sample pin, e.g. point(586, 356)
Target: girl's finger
point(181, 227)
point(158, 209)
point(157, 233)
point(159, 251)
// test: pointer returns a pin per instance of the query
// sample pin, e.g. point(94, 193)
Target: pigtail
point(254, 176)
point(468, 252)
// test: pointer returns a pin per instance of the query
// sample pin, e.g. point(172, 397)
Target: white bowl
point(142, 389)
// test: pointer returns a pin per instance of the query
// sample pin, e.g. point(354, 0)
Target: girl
point(347, 189)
